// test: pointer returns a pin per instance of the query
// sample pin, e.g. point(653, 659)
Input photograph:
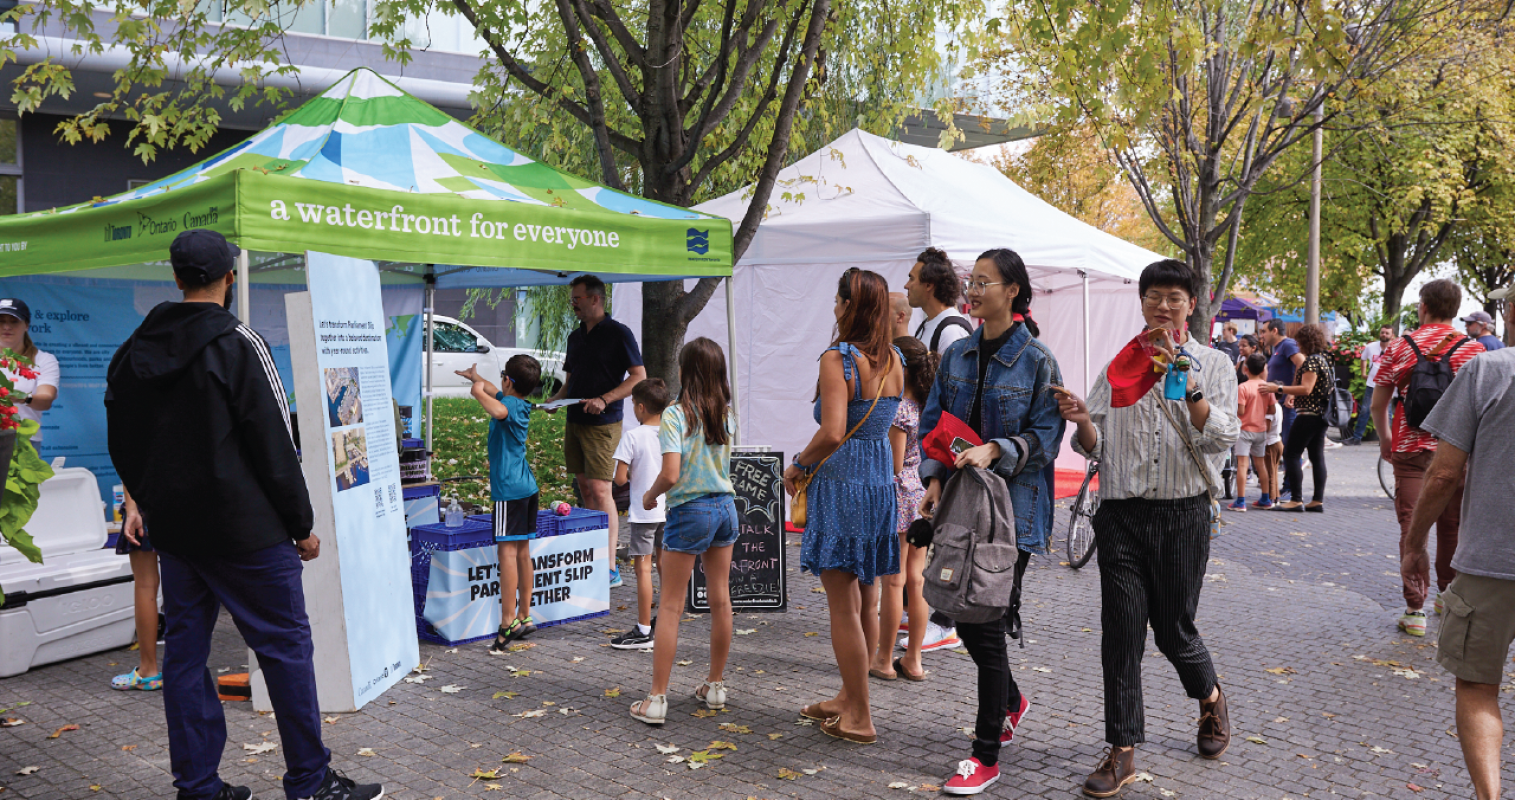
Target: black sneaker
point(229, 792)
point(339, 787)
point(633, 640)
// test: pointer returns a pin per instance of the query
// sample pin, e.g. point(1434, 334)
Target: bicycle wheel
point(1386, 476)
point(1081, 524)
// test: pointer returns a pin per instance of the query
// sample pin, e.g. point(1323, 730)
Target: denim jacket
point(1019, 414)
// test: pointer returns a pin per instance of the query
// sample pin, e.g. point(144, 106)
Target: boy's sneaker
point(339, 787)
point(937, 637)
point(1239, 505)
point(972, 778)
point(1437, 606)
point(1264, 503)
point(1413, 623)
point(633, 640)
point(615, 578)
point(1013, 721)
point(229, 792)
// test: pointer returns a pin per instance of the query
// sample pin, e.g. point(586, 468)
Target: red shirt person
point(1410, 449)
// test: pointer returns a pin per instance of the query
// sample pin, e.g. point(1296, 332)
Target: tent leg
point(731, 360)
point(431, 299)
point(244, 294)
point(1087, 381)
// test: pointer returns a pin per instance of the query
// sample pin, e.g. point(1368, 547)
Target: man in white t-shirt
point(1372, 353)
point(41, 391)
point(934, 288)
point(638, 460)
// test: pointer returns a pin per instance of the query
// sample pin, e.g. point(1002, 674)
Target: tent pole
point(244, 295)
point(431, 298)
point(1085, 275)
point(736, 417)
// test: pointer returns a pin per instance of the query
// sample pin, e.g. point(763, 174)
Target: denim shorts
point(700, 524)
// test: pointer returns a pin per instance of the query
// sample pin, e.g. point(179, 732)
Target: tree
point(1196, 100)
point(668, 100)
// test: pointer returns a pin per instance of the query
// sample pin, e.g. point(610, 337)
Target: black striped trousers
point(1152, 557)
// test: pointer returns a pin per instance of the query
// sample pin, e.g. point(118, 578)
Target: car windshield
point(453, 339)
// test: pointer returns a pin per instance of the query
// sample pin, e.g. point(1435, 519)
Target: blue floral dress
point(851, 504)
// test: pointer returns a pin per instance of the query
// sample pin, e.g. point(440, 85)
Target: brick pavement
point(1310, 597)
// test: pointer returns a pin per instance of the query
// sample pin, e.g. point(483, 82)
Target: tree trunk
point(663, 331)
point(1395, 278)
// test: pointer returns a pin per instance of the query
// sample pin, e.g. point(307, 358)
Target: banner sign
point(352, 466)
point(758, 576)
point(570, 582)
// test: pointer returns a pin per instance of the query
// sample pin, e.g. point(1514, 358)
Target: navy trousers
point(262, 591)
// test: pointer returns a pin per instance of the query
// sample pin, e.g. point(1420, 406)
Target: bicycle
point(1386, 476)
point(1081, 520)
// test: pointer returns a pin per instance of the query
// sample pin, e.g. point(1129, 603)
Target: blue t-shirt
point(1490, 342)
point(1281, 364)
point(596, 362)
point(510, 475)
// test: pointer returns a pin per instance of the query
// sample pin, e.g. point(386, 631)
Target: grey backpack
point(972, 570)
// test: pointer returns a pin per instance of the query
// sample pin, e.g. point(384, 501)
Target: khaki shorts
point(589, 450)
point(1477, 628)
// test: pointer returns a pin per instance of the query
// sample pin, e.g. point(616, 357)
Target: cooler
point(79, 600)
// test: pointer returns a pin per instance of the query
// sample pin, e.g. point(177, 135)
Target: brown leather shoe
point(1214, 726)
point(1113, 773)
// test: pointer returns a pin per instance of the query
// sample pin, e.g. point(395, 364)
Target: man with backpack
point(1420, 365)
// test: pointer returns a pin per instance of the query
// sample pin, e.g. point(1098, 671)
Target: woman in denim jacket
point(1008, 397)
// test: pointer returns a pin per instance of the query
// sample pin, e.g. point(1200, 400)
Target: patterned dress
point(850, 504)
point(907, 485)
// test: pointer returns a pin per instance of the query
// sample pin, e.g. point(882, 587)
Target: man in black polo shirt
point(600, 367)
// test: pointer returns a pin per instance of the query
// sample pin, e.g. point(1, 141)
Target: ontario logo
point(698, 241)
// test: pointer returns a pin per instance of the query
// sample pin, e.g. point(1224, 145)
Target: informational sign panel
point(358, 592)
point(758, 574)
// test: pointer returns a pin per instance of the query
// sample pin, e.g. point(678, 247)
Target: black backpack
point(1428, 382)
point(953, 321)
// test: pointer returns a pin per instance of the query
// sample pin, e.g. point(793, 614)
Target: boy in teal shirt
point(512, 488)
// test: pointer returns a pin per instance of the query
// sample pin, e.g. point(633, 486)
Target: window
point(449, 338)
point(10, 165)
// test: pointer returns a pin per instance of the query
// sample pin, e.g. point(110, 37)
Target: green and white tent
point(365, 170)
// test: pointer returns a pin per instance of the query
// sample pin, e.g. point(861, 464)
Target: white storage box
point(78, 601)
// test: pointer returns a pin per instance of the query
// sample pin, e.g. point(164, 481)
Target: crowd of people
point(1160, 420)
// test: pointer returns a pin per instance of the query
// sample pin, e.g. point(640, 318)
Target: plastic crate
point(579, 519)
point(427, 539)
point(547, 522)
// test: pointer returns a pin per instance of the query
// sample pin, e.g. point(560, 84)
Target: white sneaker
point(1332, 445)
point(1437, 607)
point(936, 638)
point(1413, 623)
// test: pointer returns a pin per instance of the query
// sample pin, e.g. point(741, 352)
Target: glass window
point(10, 131)
point(10, 197)
point(448, 338)
point(310, 17)
point(347, 19)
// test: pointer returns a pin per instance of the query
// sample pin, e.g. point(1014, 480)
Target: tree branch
point(580, 55)
point(607, 55)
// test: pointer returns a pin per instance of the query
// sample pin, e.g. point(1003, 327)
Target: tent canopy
point(368, 171)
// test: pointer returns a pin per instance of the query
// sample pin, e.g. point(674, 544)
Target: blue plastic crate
point(427, 539)
point(579, 519)
point(547, 522)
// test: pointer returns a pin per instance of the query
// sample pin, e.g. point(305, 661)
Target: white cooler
point(78, 601)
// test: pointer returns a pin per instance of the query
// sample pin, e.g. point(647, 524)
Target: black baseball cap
point(16, 307)
point(200, 256)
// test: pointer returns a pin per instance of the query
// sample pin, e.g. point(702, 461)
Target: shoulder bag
point(797, 503)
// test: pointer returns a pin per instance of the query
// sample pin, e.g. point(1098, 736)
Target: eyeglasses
point(970, 287)
point(1175, 300)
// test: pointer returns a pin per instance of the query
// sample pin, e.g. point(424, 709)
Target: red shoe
point(972, 777)
point(1013, 720)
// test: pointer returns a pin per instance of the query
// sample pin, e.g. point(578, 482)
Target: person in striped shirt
point(1160, 463)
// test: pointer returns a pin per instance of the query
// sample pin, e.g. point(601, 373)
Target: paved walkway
point(1298, 610)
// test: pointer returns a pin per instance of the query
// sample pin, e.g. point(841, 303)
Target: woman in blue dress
point(850, 531)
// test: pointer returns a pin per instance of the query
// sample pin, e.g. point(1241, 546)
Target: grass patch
point(461, 447)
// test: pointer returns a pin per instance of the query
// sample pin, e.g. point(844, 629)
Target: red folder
point(938, 444)
point(1132, 373)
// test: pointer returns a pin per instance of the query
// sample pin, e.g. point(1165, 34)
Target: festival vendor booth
point(348, 211)
point(863, 201)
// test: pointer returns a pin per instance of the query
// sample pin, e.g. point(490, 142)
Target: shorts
point(1253, 444)
point(516, 520)
point(697, 525)
point(123, 547)
point(1477, 628)
point(645, 538)
point(589, 450)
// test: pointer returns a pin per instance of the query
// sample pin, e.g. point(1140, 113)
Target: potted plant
point(24, 468)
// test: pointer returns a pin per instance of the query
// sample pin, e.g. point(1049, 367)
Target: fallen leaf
point(676, 759)
point(1282, 671)
point(451, 689)
point(515, 758)
point(1257, 740)
point(453, 650)
point(540, 712)
point(616, 692)
point(127, 748)
point(734, 728)
point(1379, 750)
point(720, 745)
point(788, 774)
point(483, 775)
point(492, 787)
point(65, 729)
point(27, 770)
point(506, 695)
point(812, 633)
point(686, 662)
point(1040, 669)
point(703, 713)
point(1145, 777)
point(575, 659)
point(260, 747)
point(1412, 787)
point(1167, 792)
point(567, 711)
point(773, 737)
point(548, 703)
point(745, 631)
point(332, 720)
point(818, 590)
point(930, 787)
point(811, 771)
point(665, 749)
point(366, 751)
point(519, 646)
point(901, 785)
point(95, 787)
point(11, 722)
point(418, 679)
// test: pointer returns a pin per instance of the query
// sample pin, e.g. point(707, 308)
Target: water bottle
point(454, 516)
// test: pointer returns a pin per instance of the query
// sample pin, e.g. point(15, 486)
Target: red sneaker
point(972, 777)
point(1013, 720)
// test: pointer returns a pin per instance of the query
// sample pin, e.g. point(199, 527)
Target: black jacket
point(199, 432)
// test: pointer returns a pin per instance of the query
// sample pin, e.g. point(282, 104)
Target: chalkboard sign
point(758, 561)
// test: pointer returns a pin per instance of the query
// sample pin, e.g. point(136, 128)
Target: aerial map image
point(343, 405)
point(350, 456)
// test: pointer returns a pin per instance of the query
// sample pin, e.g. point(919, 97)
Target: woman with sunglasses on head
point(1001, 381)
point(850, 535)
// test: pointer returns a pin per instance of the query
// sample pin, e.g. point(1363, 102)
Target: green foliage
point(460, 446)
point(23, 485)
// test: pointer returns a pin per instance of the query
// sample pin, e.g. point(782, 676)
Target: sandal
point(813, 712)
point(526, 627)
point(833, 728)
point(504, 636)
point(714, 696)
point(874, 672)
point(132, 680)
point(900, 670)
point(654, 709)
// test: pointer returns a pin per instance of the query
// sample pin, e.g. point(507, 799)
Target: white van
point(455, 346)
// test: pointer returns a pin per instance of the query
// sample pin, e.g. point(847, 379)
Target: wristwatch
point(1194, 396)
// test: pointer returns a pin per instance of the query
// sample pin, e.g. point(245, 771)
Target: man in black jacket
point(199, 432)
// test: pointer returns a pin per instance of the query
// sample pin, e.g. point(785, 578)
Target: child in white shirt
point(638, 459)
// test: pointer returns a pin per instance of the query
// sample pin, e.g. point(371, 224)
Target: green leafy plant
point(27, 470)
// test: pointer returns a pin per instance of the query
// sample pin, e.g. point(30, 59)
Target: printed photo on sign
point(349, 451)
point(343, 405)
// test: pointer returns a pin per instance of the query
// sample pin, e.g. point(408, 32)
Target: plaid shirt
point(1394, 371)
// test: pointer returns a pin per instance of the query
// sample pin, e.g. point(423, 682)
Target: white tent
point(864, 201)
